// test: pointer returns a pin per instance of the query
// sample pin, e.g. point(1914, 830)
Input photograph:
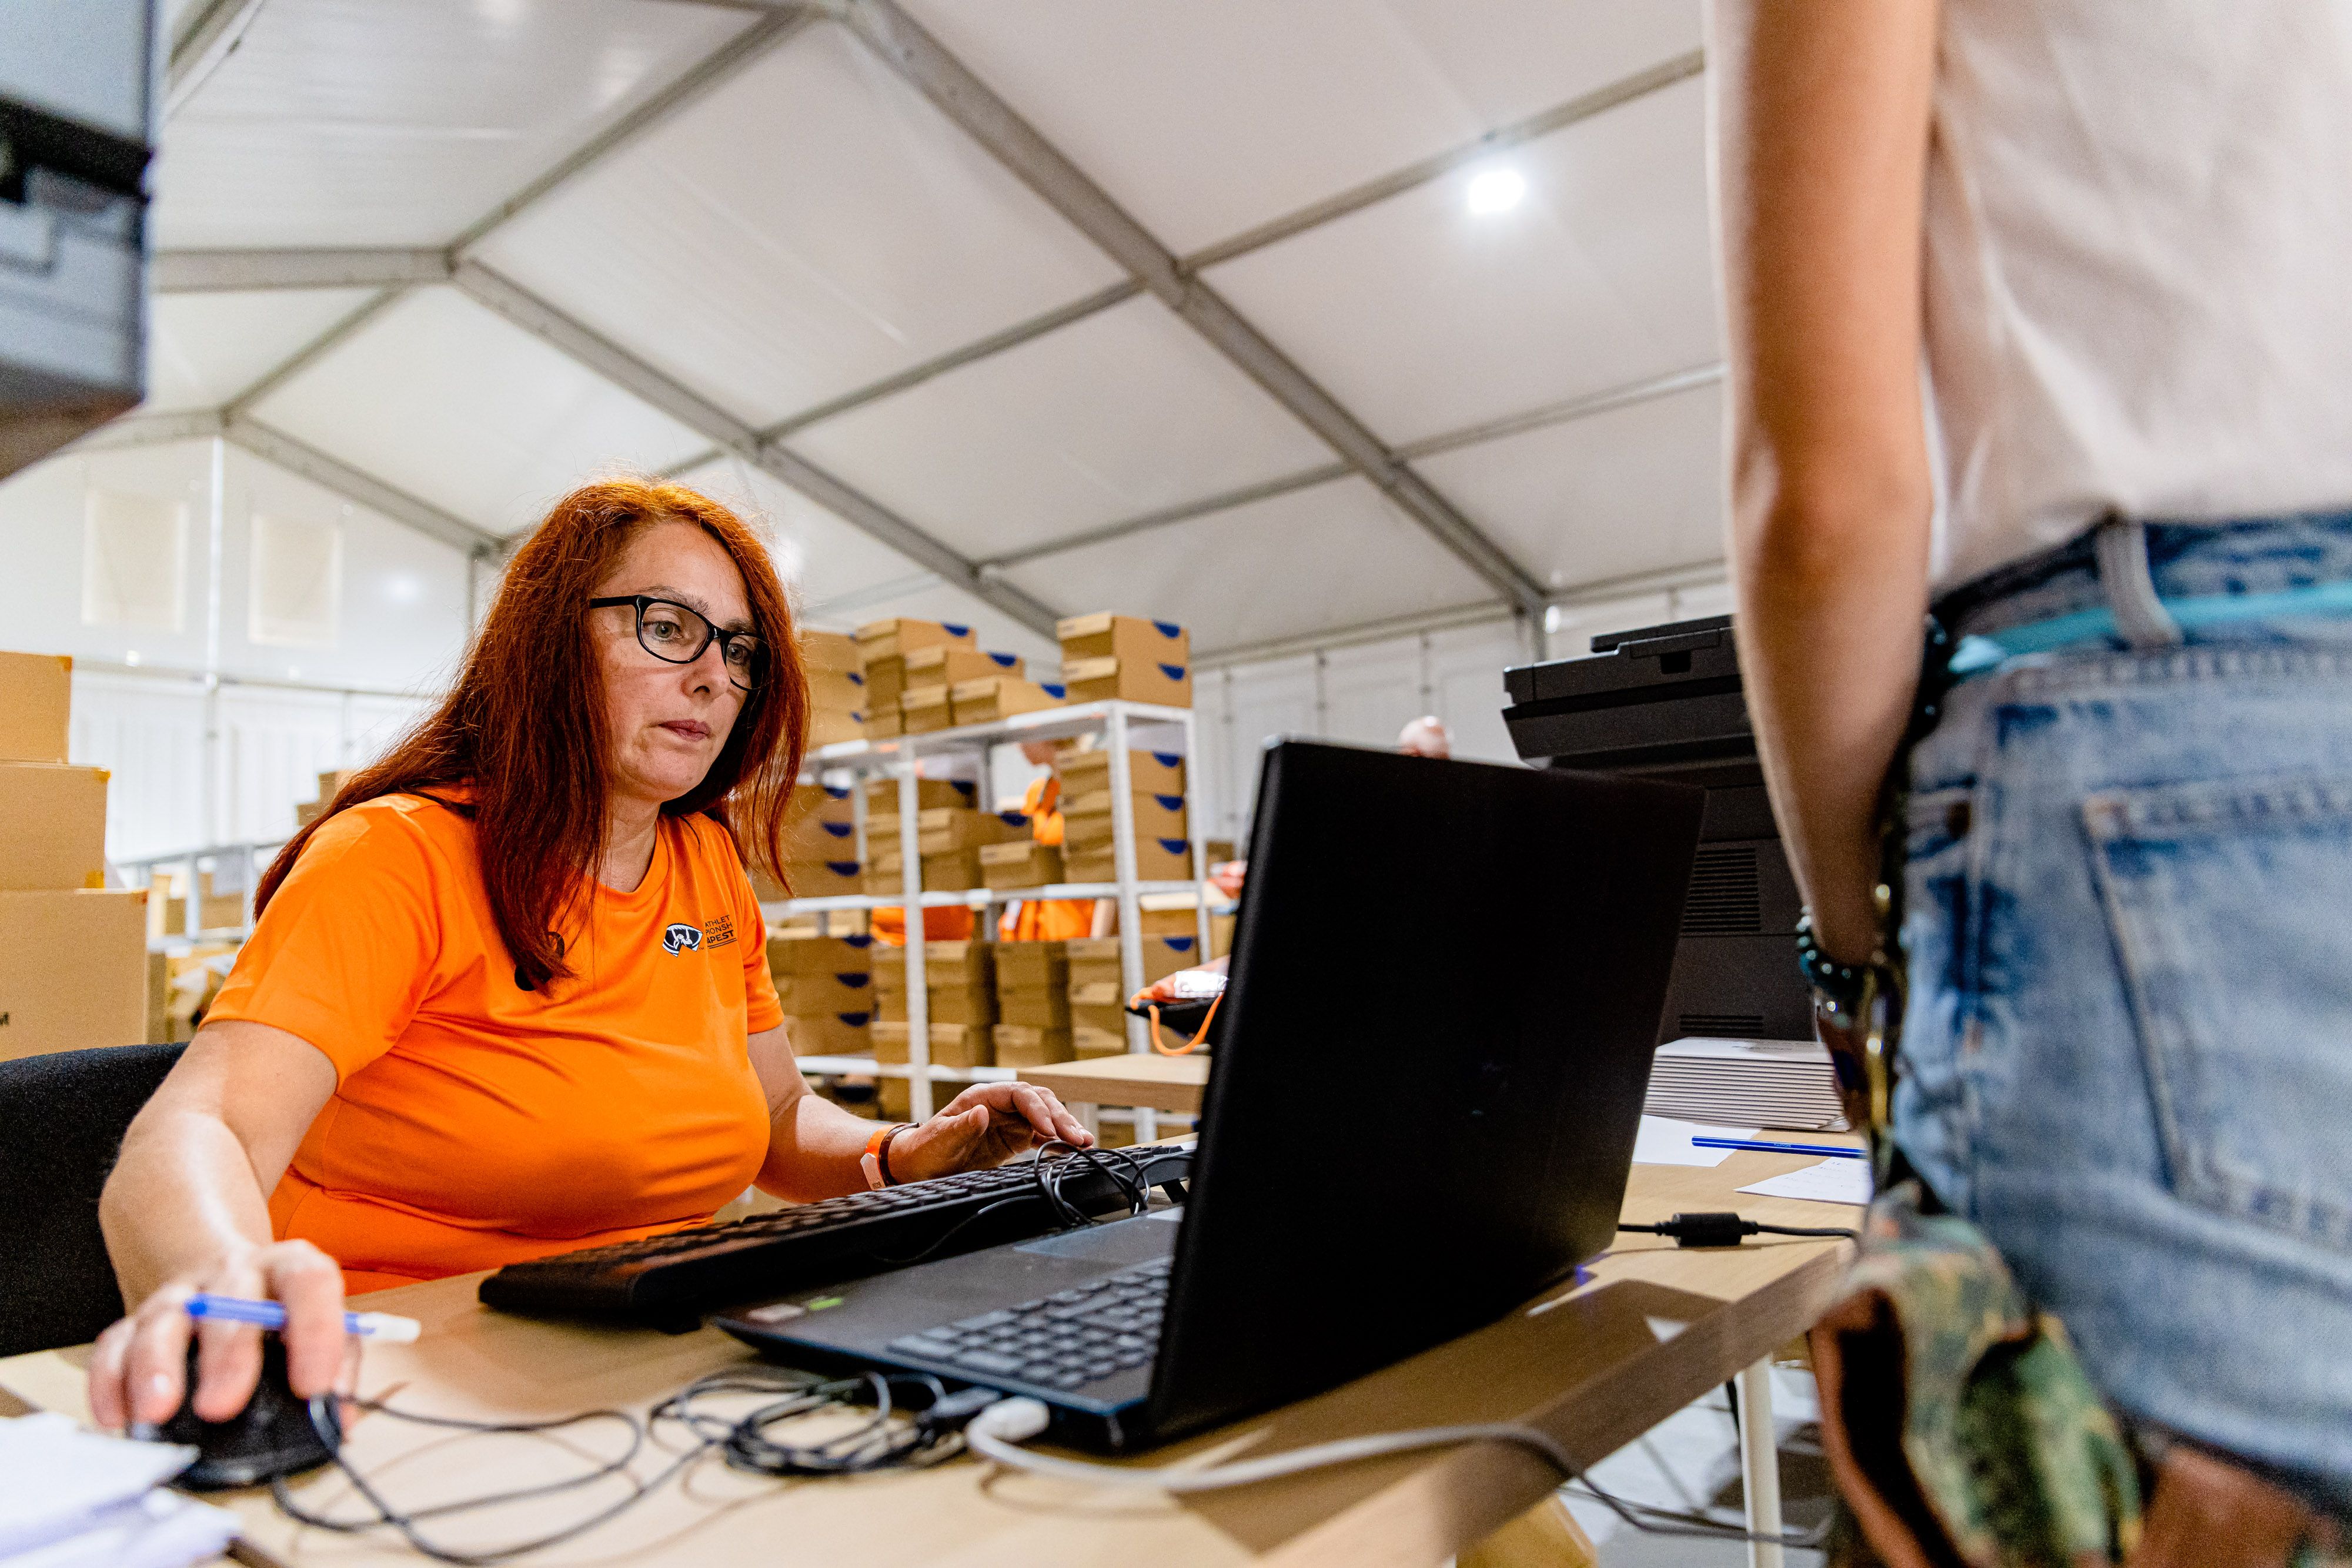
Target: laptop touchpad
point(1137, 1241)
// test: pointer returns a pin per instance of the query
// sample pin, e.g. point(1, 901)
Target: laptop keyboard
point(1063, 1341)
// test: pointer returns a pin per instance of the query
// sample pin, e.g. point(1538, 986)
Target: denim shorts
point(2127, 1052)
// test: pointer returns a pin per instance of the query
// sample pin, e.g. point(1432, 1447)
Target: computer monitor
point(1665, 702)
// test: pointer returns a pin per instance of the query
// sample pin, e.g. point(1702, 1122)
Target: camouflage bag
point(1963, 1430)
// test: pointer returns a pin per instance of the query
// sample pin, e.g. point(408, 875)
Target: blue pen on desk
point(272, 1315)
point(1829, 1151)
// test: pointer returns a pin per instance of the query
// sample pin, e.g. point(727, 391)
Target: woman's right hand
point(138, 1367)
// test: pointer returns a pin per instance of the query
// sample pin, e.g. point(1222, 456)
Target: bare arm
point(813, 1145)
point(187, 1208)
point(1822, 122)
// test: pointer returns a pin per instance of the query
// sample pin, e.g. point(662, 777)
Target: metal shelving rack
point(1125, 726)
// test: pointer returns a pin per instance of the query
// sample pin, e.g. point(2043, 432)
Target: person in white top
point(2039, 310)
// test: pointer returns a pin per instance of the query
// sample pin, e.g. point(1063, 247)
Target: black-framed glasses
point(677, 635)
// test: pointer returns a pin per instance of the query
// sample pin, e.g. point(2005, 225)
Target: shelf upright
point(918, 995)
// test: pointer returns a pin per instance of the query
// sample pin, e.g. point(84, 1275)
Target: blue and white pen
point(272, 1315)
point(1827, 1151)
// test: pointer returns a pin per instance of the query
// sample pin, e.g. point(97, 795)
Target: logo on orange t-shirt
point(681, 939)
point(719, 933)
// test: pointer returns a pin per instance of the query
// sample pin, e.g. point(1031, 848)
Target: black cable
point(387, 1515)
point(1721, 1227)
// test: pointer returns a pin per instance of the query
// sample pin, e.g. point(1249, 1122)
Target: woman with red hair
point(509, 996)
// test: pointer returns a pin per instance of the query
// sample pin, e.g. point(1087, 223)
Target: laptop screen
point(1445, 985)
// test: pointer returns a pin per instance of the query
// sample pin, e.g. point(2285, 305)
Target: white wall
point(401, 629)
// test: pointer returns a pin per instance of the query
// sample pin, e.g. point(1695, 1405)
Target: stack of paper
point(1786, 1083)
point(73, 1498)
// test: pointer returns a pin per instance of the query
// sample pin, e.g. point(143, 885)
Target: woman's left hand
point(986, 1124)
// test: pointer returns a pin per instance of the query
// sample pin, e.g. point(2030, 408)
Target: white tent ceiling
point(1144, 313)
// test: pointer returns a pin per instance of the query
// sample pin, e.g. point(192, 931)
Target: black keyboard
point(1063, 1341)
point(671, 1280)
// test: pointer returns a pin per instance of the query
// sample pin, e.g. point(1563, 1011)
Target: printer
point(1665, 702)
point(77, 91)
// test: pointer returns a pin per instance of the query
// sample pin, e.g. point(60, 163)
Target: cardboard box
point(892, 639)
point(886, 682)
point(816, 842)
point(924, 709)
point(1035, 1008)
point(1090, 1042)
point(1149, 772)
point(1021, 1045)
point(946, 828)
point(995, 698)
point(825, 996)
point(1033, 963)
point(1128, 680)
point(963, 1004)
point(1155, 860)
point(945, 663)
point(1109, 1017)
point(35, 701)
point(828, 651)
point(1013, 865)
point(1167, 915)
point(1129, 638)
point(960, 963)
point(1095, 960)
point(889, 970)
point(1084, 830)
point(882, 800)
point(830, 1034)
point(821, 955)
point(52, 826)
point(168, 915)
point(829, 727)
point(883, 723)
point(952, 1045)
point(809, 879)
point(956, 871)
point(838, 691)
point(895, 1097)
point(73, 971)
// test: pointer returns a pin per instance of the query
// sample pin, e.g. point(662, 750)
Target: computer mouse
point(276, 1434)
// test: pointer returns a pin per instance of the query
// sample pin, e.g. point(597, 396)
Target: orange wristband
point(871, 1162)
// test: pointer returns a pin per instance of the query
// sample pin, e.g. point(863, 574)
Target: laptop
point(1445, 988)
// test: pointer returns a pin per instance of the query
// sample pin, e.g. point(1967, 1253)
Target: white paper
point(61, 1477)
point(1664, 1140)
point(160, 1529)
point(1830, 1181)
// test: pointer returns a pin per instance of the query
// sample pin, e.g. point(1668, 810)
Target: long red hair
point(525, 729)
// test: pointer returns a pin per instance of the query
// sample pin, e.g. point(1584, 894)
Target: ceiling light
point(1497, 191)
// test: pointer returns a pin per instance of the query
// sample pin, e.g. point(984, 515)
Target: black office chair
point(64, 1117)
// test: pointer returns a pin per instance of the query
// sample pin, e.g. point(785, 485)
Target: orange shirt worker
point(510, 996)
point(1046, 919)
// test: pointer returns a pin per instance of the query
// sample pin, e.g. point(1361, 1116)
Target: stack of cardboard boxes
point(827, 986)
point(820, 847)
point(882, 649)
point(1163, 849)
point(73, 953)
point(1033, 1004)
point(950, 834)
point(836, 683)
point(1098, 994)
point(1126, 657)
point(960, 990)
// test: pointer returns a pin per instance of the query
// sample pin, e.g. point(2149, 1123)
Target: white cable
point(996, 1431)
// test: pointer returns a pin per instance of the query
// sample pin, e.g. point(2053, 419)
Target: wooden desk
point(1172, 1083)
point(1647, 1329)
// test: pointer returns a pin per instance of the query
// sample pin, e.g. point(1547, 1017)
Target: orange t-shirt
point(475, 1124)
point(1046, 919)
